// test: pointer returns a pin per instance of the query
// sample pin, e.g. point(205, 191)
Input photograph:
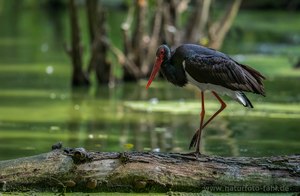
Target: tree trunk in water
point(78, 170)
point(75, 52)
point(99, 46)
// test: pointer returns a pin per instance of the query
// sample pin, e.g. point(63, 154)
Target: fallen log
point(77, 170)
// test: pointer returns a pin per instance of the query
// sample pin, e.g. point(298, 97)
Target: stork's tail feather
point(241, 98)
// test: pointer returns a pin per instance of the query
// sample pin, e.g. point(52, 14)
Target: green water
point(38, 108)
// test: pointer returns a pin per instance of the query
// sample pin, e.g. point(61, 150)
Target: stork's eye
point(162, 52)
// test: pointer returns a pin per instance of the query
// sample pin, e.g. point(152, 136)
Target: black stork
point(208, 69)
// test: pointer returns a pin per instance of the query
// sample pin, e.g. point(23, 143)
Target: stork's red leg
point(197, 135)
point(223, 106)
point(201, 124)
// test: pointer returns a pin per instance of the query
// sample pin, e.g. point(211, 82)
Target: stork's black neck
point(172, 68)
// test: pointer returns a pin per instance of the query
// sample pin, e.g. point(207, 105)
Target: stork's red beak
point(154, 71)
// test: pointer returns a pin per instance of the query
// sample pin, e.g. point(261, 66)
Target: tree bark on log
point(78, 170)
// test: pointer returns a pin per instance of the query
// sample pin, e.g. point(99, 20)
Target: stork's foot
point(195, 154)
point(195, 143)
point(191, 155)
point(194, 140)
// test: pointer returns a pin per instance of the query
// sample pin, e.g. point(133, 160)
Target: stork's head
point(163, 54)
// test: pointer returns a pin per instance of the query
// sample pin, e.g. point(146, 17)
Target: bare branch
point(220, 28)
point(126, 26)
point(124, 61)
point(170, 13)
point(154, 39)
point(139, 31)
point(198, 21)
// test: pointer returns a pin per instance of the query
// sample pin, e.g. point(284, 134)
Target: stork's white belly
point(236, 95)
point(218, 89)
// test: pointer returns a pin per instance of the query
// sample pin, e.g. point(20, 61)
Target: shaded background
point(39, 106)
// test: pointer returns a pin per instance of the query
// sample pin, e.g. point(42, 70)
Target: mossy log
point(78, 170)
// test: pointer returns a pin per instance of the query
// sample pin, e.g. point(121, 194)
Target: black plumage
point(207, 69)
point(206, 65)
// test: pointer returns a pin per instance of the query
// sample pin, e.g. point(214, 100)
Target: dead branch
point(78, 170)
point(171, 33)
point(138, 42)
point(220, 28)
point(125, 61)
point(154, 39)
point(197, 22)
point(131, 67)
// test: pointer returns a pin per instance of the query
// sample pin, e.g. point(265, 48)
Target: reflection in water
point(220, 133)
point(104, 123)
point(139, 130)
point(76, 125)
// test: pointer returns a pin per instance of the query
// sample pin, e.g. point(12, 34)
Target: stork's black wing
point(224, 72)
